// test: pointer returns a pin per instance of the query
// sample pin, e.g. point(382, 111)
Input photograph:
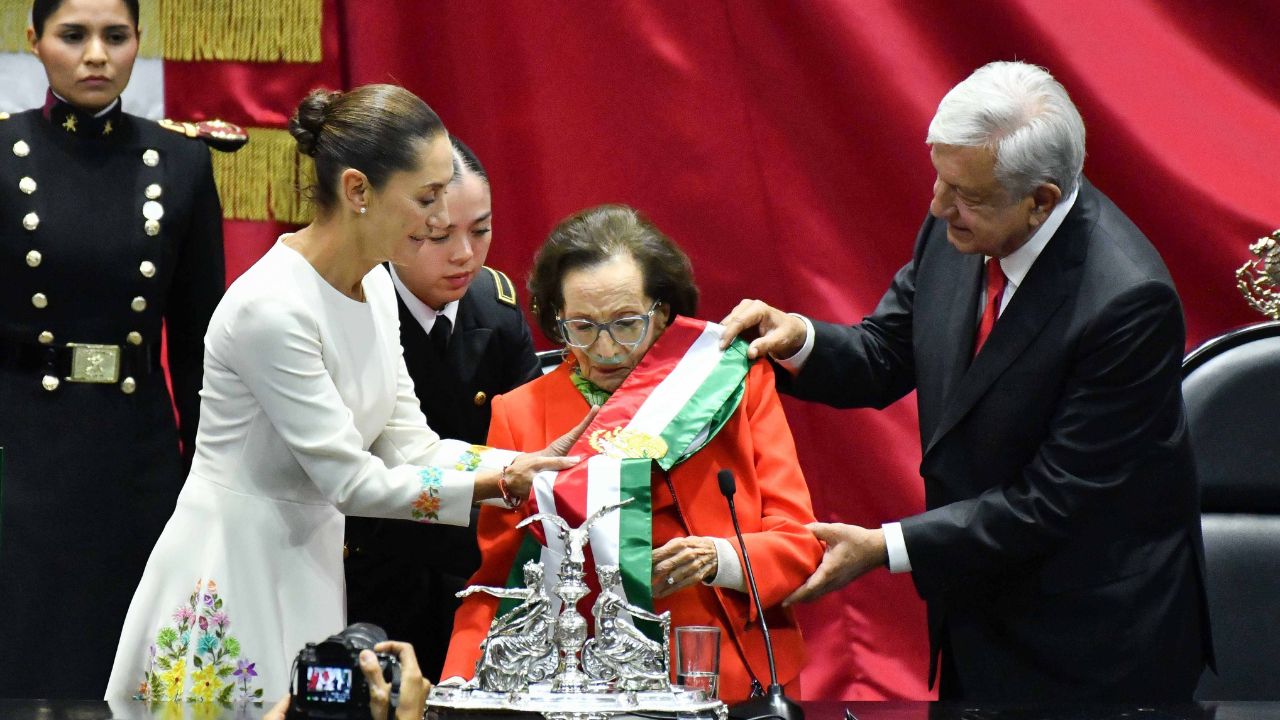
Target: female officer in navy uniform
point(110, 226)
point(465, 340)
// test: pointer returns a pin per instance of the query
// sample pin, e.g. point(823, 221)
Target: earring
point(364, 210)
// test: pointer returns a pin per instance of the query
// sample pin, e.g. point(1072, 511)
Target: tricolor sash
point(675, 400)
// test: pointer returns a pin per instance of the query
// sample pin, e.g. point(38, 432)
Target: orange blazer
point(773, 507)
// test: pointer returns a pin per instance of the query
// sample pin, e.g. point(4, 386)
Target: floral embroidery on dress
point(426, 507)
point(213, 676)
point(470, 458)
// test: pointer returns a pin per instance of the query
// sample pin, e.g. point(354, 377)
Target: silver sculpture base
point(539, 699)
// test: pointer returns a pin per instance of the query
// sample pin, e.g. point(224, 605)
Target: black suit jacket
point(1060, 553)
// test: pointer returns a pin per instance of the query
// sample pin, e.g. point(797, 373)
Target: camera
point(327, 681)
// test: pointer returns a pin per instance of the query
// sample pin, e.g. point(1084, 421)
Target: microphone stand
point(774, 704)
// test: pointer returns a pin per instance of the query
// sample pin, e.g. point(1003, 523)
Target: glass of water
point(698, 658)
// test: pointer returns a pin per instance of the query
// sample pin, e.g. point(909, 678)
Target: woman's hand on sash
point(518, 476)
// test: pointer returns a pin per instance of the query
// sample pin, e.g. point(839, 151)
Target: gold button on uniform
point(27, 185)
point(480, 398)
point(128, 385)
point(33, 258)
point(152, 192)
point(45, 337)
point(139, 304)
point(152, 227)
point(150, 158)
point(40, 301)
point(134, 338)
point(152, 210)
point(50, 383)
point(21, 149)
point(147, 268)
point(31, 221)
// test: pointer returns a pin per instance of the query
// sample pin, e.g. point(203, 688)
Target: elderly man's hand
point(851, 552)
point(770, 330)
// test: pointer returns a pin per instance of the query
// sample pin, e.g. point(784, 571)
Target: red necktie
point(995, 289)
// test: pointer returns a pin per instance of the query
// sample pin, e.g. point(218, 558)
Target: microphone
point(774, 704)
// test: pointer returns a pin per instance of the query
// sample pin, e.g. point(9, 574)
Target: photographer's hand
point(413, 687)
point(277, 711)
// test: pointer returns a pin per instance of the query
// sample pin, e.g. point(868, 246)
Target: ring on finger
point(671, 580)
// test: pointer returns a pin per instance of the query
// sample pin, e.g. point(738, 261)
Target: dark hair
point(469, 159)
point(372, 128)
point(42, 9)
point(594, 236)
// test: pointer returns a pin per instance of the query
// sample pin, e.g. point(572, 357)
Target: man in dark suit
point(465, 340)
point(1060, 552)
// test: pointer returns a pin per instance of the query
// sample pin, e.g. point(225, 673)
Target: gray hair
point(1022, 114)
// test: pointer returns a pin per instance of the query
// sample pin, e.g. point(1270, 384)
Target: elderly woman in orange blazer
point(608, 283)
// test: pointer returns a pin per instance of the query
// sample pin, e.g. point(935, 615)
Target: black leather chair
point(549, 359)
point(1232, 390)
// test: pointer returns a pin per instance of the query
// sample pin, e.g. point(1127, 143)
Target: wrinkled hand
point(851, 552)
point(413, 687)
point(685, 560)
point(770, 330)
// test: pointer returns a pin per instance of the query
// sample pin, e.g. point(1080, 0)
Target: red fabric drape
point(782, 145)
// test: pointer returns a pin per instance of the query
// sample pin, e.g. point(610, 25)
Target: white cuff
point(444, 496)
point(896, 544)
point(795, 362)
point(728, 568)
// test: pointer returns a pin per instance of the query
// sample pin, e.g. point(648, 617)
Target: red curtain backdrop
point(782, 145)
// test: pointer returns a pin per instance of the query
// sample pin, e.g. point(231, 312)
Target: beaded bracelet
point(508, 499)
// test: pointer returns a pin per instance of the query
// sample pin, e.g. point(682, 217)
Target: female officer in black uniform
point(110, 226)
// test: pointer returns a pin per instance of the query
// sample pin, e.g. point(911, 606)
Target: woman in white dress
point(308, 414)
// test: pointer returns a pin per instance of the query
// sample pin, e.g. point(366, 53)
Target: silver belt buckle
point(94, 363)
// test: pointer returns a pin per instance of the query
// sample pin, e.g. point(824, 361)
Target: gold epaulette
point(506, 289)
point(218, 134)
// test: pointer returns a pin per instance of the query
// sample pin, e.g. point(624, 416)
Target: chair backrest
point(549, 359)
point(1231, 386)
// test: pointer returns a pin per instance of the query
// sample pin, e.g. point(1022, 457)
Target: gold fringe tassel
point(15, 16)
point(253, 30)
point(261, 180)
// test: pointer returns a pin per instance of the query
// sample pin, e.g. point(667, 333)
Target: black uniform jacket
point(1060, 553)
point(490, 352)
point(109, 228)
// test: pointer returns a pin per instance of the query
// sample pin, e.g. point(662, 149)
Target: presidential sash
point(671, 405)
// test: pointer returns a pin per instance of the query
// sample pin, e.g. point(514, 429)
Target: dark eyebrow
point(82, 27)
point(483, 217)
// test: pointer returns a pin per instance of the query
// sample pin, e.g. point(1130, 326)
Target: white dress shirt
point(420, 311)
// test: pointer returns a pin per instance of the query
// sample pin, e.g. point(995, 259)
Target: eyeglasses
point(627, 331)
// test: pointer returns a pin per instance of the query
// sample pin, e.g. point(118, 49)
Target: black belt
point(81, 362)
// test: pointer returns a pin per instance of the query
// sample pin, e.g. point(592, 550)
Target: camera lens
point(363, 635)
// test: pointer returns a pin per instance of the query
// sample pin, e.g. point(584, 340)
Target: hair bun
point(308, 121)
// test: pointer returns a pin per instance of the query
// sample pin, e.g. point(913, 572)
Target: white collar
point(421, 312)
point(98, 114)
point(1018, 263)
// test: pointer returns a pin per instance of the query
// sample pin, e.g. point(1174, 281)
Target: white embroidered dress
point(307, 414)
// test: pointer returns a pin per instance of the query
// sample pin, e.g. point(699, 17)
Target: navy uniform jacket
point(490, 352)
point(1060, 553)
point(109, 228)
